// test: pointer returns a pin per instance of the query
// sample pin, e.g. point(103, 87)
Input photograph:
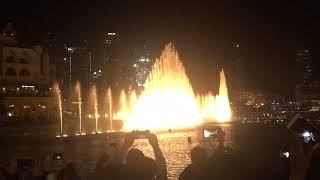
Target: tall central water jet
point(78, 94)
point(168, 100)
point(58, 95)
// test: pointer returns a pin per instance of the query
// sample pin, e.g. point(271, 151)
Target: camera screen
point(305, 130)
point(140, 136)
point(284, 154)
point(209, 133)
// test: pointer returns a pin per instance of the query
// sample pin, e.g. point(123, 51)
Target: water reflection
point(85, 153)
point(175, 149)
point(259, 148)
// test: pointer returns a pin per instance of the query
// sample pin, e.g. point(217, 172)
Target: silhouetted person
point(224, 166)
point(304, 159)
point(195, 170)
point(224, 163)
point(138, 166)
point(313, 172)
point(109, 165)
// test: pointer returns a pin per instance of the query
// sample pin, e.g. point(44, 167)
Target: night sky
point(268, 32)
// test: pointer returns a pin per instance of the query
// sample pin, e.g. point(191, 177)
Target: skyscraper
point(142, 66)
point(110, 65)
point(306, 89)
point(77, 66)
point(303, 67)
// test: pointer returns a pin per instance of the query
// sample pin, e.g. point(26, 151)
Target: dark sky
point(268, 32)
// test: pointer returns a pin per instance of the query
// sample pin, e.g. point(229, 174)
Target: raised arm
point(161, 167)
point(129, 139)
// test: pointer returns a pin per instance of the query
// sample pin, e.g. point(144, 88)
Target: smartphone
point(284, 152)
point(57, 156)
point(304, 129)
point(141, 134)
point(25, 163)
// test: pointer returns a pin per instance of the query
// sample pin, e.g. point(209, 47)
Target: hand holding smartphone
point(141, 134)
point(304, 129)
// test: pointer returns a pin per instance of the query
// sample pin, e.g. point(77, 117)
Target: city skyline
point(268, 34)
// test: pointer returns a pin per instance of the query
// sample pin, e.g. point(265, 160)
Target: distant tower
point(77, 66)
point(110, 65)
point(303, 67)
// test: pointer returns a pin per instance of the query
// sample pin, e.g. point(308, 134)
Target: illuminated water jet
point(168, 100)
point(58, 95)
point(216, 108)
point(78, 94)
point(93, 98)
point(109, 107)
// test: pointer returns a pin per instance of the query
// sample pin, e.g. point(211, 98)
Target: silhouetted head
point(198, 155)
point(134, 156)
point(109, 157)
point(139, 166)
point(220, 134)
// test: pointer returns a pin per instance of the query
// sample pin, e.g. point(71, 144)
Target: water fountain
point(58, 95)
point(79, 103)
point(109, 106)
point(94, 101)
point(167, 101)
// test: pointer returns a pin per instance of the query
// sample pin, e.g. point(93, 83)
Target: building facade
point(26, 79)
point(111, 62)
point(307, 91)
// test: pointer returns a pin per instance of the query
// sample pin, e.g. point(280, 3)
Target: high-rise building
point(142, 66)
point(110, 65)
point(303, 67)
point(77, 66)
point(306, 90)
